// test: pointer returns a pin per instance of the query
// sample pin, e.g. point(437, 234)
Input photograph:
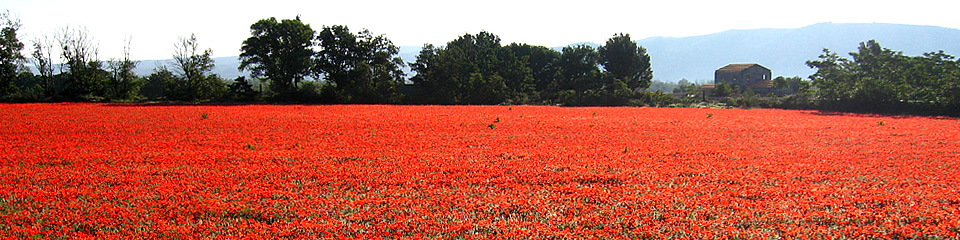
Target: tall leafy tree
point(935, 77)
point(542, 62)
point(279, 52)
point(578, 73)
point(11, 60)
point(363, 67)
point(877, 73)
point(581, 83)
point(626, 61)
point(195, 81)
point(434, 84)
point(578, 69)
point(832, 78)
point(473, 69)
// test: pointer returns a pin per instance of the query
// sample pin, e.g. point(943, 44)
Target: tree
point(241, 90)
point(832, 78)
point(581, 83)
point(780, 82)
point(579, 69)
point(195, 83)
point(724, 89)
point(43, 60)
point(935, 78)
point(363, 67)
point(84, 75)
point(124, 83)
point(794, 83)
point(878, 79)
point(159, 83)
point(473, 69)
point(867, 81)
point(279, 52)
point(433, 83)
point(29, 86)
point(11, 60)
point(627, 62)
point(686, 87)
point(877, 72)
point(542, 62)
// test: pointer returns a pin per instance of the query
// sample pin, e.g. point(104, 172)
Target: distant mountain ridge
point(784, 51)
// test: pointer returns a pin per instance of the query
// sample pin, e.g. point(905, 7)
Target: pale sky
point(154, 26)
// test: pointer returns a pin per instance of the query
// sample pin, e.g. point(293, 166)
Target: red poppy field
point(362, 171)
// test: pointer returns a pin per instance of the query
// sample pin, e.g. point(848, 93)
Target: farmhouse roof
point(737, 67)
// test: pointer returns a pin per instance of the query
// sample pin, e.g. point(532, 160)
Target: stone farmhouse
point(745, 76)
point(748, 75)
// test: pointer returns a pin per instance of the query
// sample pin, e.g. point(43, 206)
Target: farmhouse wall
point(743, 75)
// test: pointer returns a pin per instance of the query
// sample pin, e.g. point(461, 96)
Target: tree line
point(477, 69)
point(289, 61)
point(879, 79)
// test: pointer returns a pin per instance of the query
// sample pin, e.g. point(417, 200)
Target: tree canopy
point(880, 79)
point(195, 82)
point(84, 74)
point(542, 62)
point(362, 67)
point(124, 83)
point(626, 61)
point(11, 60)
point(473, 69)
point(280, 52)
